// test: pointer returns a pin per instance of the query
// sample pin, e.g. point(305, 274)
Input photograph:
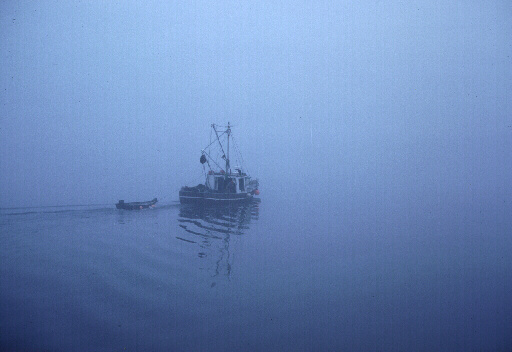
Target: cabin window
point(241, 184)
point(231, 184)
point(219, 183)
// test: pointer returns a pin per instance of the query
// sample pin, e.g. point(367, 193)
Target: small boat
point(136, 205)
point(222, 186)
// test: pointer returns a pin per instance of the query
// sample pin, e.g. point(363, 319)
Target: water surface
point(326, 273)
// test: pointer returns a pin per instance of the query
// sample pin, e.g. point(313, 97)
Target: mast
point(228, 167)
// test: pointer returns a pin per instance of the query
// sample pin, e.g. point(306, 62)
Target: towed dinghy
point(136, 205)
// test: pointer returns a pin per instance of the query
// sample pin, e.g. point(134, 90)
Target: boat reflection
point(213, 228)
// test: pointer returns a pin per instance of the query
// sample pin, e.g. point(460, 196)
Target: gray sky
point(103, 101)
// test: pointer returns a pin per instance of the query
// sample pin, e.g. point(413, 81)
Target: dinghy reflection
point(214, 229)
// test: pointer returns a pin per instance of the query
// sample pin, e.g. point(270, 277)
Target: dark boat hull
point(197, 197)
point(136, 205)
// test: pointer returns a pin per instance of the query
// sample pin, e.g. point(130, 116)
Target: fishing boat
point(223, 185)
point(136, 205)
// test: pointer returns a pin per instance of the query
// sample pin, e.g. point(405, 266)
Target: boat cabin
point(227, 183)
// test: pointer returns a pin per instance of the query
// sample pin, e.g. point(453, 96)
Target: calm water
point(282, 274)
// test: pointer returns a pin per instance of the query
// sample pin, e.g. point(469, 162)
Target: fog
point(405, 101)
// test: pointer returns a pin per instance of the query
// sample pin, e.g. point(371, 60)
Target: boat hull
point(136, 205)
point(196, 197)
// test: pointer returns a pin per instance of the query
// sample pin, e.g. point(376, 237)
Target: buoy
point(140, 207)
point(257, 192)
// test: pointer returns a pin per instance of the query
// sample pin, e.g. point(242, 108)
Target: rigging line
point(237, 149)
point(198, 177)
point(242, 161)
point(214, 141)
point(223, 142)
point(204, 151)
point(212, 160)
point(205, 175)
point(210, 139)
point(217, 134)
point(209, 166)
